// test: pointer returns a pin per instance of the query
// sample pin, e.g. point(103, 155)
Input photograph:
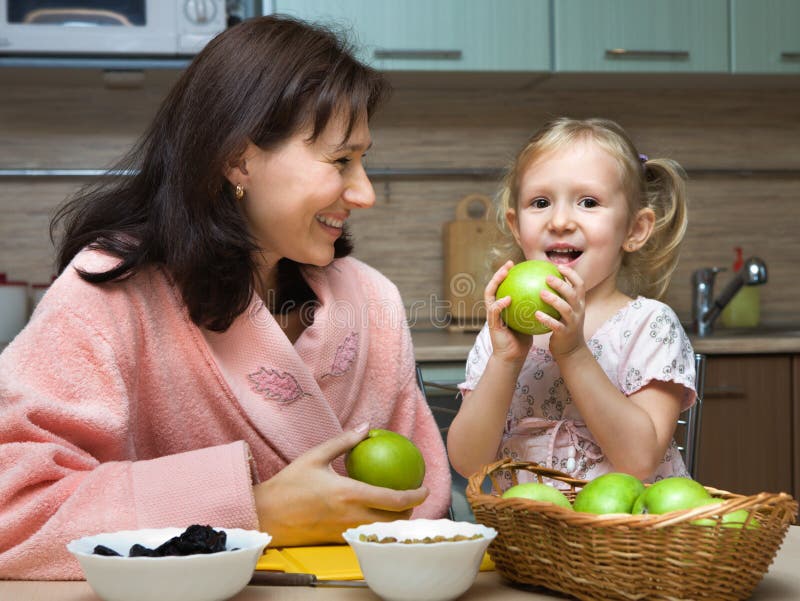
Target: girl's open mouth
point(563, 256)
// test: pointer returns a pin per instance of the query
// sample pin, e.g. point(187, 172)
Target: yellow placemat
point(329, 562)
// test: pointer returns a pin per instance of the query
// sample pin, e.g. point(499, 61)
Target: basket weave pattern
point(626, 557)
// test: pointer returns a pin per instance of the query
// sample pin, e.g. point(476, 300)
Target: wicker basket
point(628, 556)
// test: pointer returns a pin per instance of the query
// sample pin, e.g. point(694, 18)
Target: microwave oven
point(115, 28)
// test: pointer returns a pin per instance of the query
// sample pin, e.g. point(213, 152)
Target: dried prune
point(138, 550)
point(103, 550)
point(192, 541)
point(195, 539)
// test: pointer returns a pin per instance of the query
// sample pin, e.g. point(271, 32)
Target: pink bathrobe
point(117, 412)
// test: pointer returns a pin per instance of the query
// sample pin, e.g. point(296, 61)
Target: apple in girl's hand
point(386, 459)
point(614, 492)
point(538, 491)
point(524, 284)
point(670, 494)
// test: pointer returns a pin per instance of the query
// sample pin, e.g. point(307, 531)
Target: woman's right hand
point(307, 502)
point(507, 345)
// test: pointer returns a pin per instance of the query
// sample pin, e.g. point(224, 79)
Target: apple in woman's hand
point(386, 459)
point(524, 284)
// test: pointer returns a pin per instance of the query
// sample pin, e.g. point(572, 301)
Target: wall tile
point(74, 122)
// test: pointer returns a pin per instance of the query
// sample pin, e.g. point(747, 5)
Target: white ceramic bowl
point(204, 577)
point(420, 571)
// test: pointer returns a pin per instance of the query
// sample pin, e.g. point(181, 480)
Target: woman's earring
point(239, 192)
point(630, 246)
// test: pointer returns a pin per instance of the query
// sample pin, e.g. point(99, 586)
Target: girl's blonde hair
point(658, 184)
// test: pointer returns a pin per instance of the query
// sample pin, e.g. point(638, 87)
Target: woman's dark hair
point(168, 203)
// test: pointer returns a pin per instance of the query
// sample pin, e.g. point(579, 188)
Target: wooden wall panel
point(68, 119)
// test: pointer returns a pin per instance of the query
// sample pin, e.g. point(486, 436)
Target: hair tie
point(644, 158)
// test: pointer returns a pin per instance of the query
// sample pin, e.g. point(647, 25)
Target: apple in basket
point(614, 492)
point(388, 459)
point(524, 284)
point(538, 491)
point(670, 494)
point(734, 519)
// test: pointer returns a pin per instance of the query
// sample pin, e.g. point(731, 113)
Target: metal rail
point(485, 173)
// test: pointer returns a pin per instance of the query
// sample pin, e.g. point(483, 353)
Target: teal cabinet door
point(641, 35)
point(430, 35)
point(766, 36)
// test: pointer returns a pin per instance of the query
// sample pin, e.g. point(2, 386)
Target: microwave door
point(91, 27)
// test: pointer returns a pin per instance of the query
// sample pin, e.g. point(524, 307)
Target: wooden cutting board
point(467, 242)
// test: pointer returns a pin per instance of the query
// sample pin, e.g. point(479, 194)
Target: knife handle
point(265, 578)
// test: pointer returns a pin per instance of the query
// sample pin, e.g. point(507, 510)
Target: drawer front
point(642, 36)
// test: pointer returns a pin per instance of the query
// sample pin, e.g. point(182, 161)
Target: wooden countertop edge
point(441, 345)
point(745, 345)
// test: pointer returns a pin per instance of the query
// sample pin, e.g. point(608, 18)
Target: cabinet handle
point(448, 55)
point(790, 56)
point(654, 54)
point(719, 392)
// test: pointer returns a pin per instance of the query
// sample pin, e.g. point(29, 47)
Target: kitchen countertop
point(780, 583)
point(431, 345)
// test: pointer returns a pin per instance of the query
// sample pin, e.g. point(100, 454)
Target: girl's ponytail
point(649, 270)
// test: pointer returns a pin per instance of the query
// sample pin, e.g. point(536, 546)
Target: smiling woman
point(297, 198)
point(190, 363)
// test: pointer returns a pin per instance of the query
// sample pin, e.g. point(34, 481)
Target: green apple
point(524, 284)
point(614, 492)
point(538, 491)
point(388, 459)
point(670, 494)
point(734, 519)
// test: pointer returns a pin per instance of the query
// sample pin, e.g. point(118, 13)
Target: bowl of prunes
point(198, 563)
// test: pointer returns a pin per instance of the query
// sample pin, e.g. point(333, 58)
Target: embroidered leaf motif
point(345, 355)
point(275, 385)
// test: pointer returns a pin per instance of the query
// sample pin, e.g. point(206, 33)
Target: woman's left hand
point(567, 333)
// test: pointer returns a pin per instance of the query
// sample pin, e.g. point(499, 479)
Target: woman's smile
point(299, 196)
point(332, 225)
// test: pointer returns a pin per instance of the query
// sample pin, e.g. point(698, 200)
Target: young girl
point(603, 390)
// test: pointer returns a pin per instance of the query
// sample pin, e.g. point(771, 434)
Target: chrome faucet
point(705, 310)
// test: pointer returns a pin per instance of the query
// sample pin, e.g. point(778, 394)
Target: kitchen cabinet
point(746, 440)
point(641, 36)
point(766, 36)
point(445, 35)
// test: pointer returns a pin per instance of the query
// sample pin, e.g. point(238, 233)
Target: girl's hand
point(507, 345)
point(567, 335)
point(307, 502)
